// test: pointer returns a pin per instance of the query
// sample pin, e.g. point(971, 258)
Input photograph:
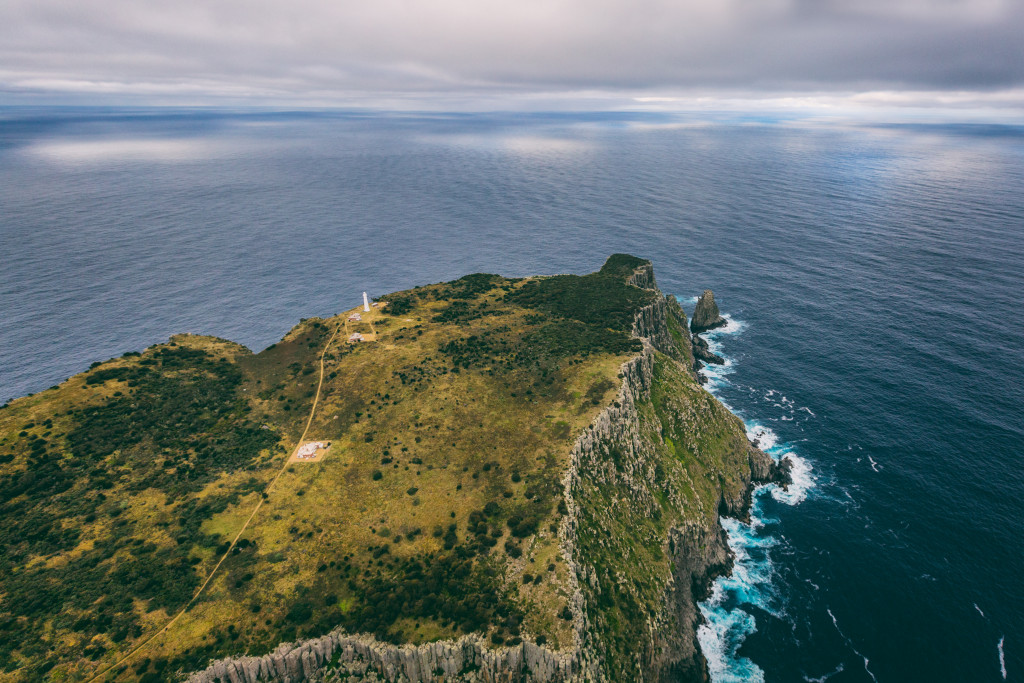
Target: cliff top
point(171, 478)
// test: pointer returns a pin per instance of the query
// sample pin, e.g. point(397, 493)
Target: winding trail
point(266, 492)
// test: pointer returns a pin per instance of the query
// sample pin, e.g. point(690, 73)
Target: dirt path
point(259, 504)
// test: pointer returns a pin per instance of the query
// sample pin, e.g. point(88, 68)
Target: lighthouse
point(366, 303)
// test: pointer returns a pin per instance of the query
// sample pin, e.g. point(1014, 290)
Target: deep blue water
point(874, 276)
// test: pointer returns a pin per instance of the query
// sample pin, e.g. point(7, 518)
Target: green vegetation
point(76, 557)
point(565, 338)
point(121, 489)
point(398, 304)
point(621, 265)
point(450, 588)
point(599, 299)
point(433, 514)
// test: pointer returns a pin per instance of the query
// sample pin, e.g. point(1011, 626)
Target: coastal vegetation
point(151, 519)
point(434, 513)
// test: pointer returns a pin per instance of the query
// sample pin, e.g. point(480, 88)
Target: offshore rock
point(701, 351)
point(705, 315)
point(765, 470)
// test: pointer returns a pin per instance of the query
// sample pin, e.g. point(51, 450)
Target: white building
point(308, 450)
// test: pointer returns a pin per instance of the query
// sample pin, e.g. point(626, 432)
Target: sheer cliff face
point(645, 484)
point(651, 477)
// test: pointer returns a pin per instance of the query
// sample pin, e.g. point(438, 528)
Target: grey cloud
point(341, 49)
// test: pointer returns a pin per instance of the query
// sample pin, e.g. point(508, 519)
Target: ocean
point(873, 277)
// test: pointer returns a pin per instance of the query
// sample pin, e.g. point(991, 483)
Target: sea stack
point(705, 315)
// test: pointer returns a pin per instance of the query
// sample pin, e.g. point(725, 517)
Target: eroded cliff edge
point(644, 491)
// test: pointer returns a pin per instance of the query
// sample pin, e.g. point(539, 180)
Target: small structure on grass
point(308, 450)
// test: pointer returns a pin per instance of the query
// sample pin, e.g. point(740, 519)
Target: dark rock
point(765, 470)
point(782, 472)
point(702, 351)
point(697, 367)
point(705, 315)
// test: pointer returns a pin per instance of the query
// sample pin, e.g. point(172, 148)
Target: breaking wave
point(751, 583)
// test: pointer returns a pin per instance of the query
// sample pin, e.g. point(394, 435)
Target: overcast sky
point(966, 54)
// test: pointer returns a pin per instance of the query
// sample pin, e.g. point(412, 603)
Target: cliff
point(641, 536)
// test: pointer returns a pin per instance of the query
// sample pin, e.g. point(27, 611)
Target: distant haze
point(646, 53)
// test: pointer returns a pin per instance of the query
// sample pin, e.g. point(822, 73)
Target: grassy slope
point(432, 515)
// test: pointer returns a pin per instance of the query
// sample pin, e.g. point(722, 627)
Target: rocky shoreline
point(701, 351)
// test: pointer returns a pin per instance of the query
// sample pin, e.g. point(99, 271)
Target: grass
point(432, 515)
point(470, 460)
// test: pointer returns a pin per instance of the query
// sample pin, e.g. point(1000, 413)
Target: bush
point(300, 613)
point(448, 587)
point(596, 299)
point(398, 304)
point(621, 265)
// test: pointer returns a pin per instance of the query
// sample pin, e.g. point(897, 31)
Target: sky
point(959, 56)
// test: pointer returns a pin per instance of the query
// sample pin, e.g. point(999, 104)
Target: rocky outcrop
point(701, 351)
point(705, 314)
point(339, 656)
point(765, 470)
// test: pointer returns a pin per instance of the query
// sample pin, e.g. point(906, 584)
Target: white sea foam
point(851, 646)
point(830, 674)
point(752, 579)
point(1002, 657)
point(874, 465)
point(732, 326)
point(766, 439)
point(979, 609)
point(720, 638)
point(802, 479)
point(802, 482)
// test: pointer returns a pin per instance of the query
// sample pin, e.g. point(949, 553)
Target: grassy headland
point(434, 513)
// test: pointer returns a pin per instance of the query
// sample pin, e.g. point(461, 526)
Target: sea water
point(873, 277)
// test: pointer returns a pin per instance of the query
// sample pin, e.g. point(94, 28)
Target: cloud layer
point(340, 50)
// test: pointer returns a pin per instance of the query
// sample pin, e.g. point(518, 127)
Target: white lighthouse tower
point(366, 303)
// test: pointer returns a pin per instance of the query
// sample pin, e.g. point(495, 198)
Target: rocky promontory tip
point(701, 351)
point(705, 315)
